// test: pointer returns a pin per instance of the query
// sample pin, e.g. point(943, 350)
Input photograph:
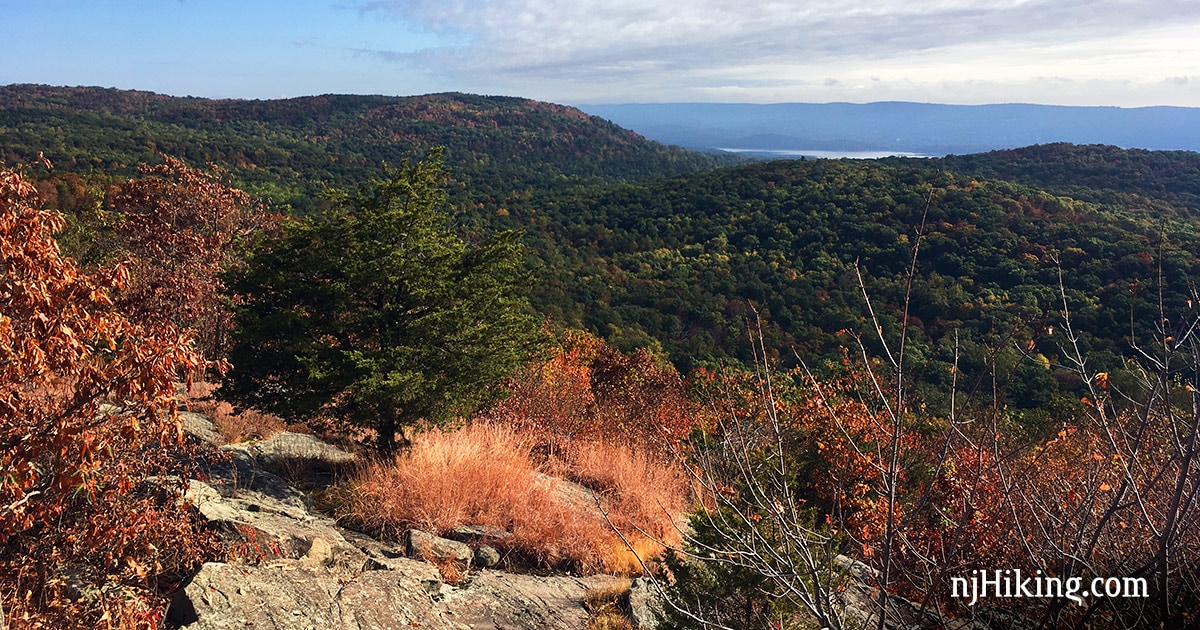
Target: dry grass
point(452, 571)
point(485, 474)
point(642, 491)
point(481, 474)
point(232, 427)
point(606, 608)
point(644, 497)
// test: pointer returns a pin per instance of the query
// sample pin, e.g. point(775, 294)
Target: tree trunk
point(387, 436)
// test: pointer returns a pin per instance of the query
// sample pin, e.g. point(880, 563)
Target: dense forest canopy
point(290, 150)
point(680, 260)
point(1169, 180)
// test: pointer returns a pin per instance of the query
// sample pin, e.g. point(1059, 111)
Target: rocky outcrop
point(645, 604)
point(288, 595)
point(286, 446)
point(263, 517)
point(295, 569)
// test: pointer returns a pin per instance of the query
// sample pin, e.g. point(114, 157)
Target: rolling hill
point(289, 150)
point(685, 263)
point(1098, 173)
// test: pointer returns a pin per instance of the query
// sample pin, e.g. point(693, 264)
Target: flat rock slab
point(509, 601)
point(292, 596)
point(296, 597)
point(288, 445)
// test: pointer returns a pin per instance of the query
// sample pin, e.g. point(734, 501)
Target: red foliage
point(87, 414)
point(180, 225)
point(590, 391)
point(1104, 497)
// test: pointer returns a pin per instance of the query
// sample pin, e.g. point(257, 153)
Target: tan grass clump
point(642, 490)
point(644, 495)
point(480, 474)
point(606, 607)
point(485, 474)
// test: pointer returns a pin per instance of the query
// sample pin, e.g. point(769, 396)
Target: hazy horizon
point(1122, 53)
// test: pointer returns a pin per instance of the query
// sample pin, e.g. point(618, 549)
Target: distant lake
point(853, 155)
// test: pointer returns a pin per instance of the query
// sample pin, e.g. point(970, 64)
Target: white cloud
point(613, 50)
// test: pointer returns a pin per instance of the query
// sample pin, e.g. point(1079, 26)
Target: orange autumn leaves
point(179, 226)
point(87, 416)
point(963, 494)
point(589, 390)
point(63, 353)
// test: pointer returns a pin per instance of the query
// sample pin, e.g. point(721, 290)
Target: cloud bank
point(1067, 51)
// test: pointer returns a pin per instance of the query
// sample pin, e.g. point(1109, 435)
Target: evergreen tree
point(377, 313)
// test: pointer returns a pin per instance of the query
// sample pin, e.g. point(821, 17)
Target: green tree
point(377, 313)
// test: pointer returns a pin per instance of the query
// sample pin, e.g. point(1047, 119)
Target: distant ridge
point(288, 150)
point(928, 129)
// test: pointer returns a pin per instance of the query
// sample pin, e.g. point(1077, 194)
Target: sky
point(1125, 53)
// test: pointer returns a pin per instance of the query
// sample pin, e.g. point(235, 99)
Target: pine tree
point(377, 313)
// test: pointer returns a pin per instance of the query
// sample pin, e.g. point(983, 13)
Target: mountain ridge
point(928, 128)
point(289, 150)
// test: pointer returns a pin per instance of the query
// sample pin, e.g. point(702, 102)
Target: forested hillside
point(1098, 173)
point(623, 243)
point(620, 247)
point(289, 150)
point(682, 262)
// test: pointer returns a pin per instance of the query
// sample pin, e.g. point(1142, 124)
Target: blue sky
point(1072, 52)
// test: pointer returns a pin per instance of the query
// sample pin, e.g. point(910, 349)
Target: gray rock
point(286, 445)
point(303, 460)
point(319, 553)
point(645, 604)
point(290, 596)
point(296, 597)
point(264, 517)
point(307, 573)
point(244, 475)
point(495, 599)
point(473, 533)
point(200, 427)
point(486, 557)
point(857, 570)
point(426, 546)
point(862, 610)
